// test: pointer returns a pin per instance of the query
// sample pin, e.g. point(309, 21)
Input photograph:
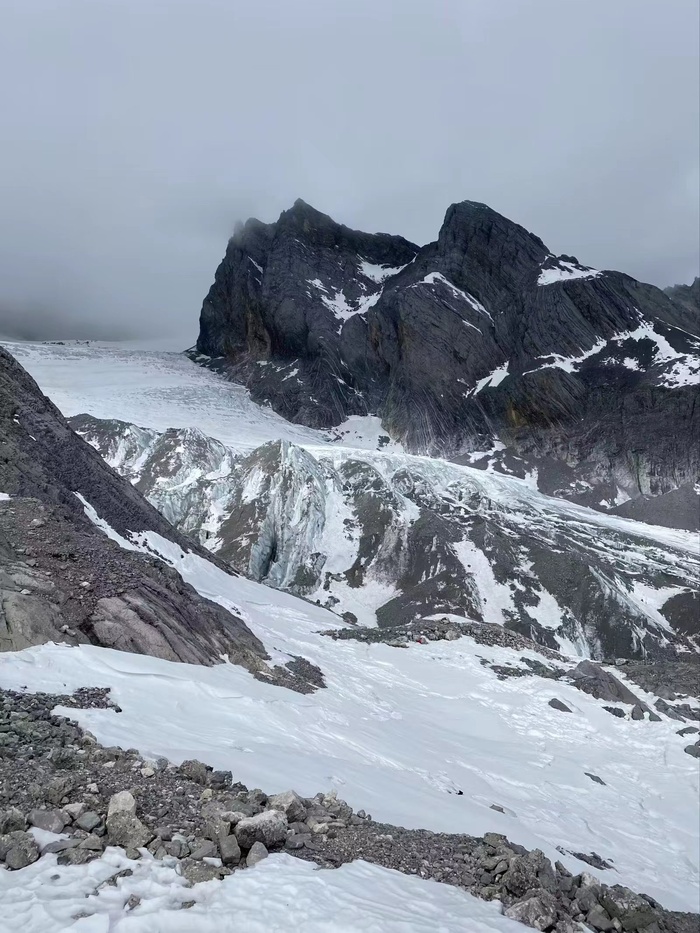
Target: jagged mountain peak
point(479, 339)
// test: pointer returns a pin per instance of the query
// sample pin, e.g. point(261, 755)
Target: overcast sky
point(134, 133)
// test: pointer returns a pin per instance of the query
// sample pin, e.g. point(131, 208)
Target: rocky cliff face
point(686, 296)
point(61, 577)
point(480, 343)
point(388, 539)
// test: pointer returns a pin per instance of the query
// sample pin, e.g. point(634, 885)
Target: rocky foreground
point(64, 794)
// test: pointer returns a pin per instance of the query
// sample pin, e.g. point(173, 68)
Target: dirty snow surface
point(397, 731)
point(279, 895)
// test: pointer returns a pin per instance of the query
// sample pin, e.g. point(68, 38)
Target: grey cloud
point(135, 133)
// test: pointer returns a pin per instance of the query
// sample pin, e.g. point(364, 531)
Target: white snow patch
point(492, 380)
point(497, 604)
point(280, 894)
point(4, 497)
point(378, 273)
point(564, 271)
point(362, 432)
point(569, 363)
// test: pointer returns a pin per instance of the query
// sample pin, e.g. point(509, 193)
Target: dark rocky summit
point(63, 579)
point(480, 337)
point(687, 296)
point(58, 779)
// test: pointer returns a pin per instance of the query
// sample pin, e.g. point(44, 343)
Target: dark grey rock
point(50, 820)
point(92, 842)
point(230, 850)
point(18, 849)
point(693, 750)
point(257, 853)
point(269, 827)
point(11, 821)
point(195, 771)
point(557, 704)
point(595, 778)
point(290, 803)
point(206, 849)
point(127, 831)
point(528, 872)
point(195, 871)
point(539, 912)
point(89, 821)
point(599, 918)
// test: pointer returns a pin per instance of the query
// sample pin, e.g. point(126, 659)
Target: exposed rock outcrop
point(62, 578)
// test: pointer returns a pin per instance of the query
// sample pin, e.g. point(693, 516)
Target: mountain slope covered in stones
point(482, 345)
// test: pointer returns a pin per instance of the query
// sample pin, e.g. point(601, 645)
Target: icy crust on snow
point(399, 731)
point(279, 895)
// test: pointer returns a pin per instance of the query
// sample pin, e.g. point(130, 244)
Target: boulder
point(632, 910)
point(11, 821)
point(230, 850)
point(88, 821)
point(693, 750)
point(539, 912)
point(528, 872)
point(127, 831)
point(123, 802)
point(557, 704)
point(599, 919)
point(195, 771)
point(50, 820)
point(269, 827)
point(195, 871)
point(206, 849)
point(601, 684)
point(74, 810)
point(257, 853)
point(18, 849)
point(92, 842)
point(291, 804)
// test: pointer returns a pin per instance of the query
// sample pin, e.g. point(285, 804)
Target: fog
point(136, 133)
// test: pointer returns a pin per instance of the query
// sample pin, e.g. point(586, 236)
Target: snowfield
point(398, 732)
point(280, 894)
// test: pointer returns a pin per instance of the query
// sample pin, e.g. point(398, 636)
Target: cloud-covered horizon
point(137, 133)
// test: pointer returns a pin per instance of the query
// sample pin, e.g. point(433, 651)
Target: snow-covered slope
point(282, 894)
point(400, 731)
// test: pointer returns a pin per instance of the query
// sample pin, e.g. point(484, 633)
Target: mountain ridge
point(480, 340)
